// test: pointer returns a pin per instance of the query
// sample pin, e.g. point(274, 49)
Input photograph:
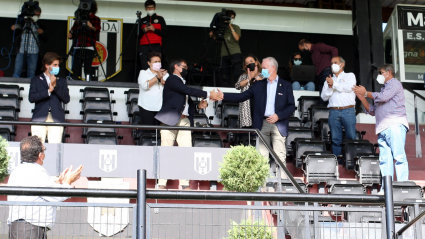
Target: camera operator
point(151, 34)
point(84, 48)
point(232, 35)
point(28, 43)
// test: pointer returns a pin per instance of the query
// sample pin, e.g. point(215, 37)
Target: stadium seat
point(350, 149)
point(149, 139)
point(320, 167)
point(294, 122)
point(213, 141)
point(363, 217)
point(293, 133)
point(324, 131)
point(96, 92)
point(304, 102)
point(11, 89)
point(94, 134)
point(10, 100)
point(91, 103)
point(301, 145)
point(7, 131)
point(131, 94)
point(367, 169)
point(9, 111)
point(410, 211)
point(102, 138)
point(345, 187)
point(316, 113)
point(97, 115)
point(287, 186)
point(230, 116)
point(133, 107)
point(405, 190)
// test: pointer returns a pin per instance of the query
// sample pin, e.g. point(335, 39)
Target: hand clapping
point(216, 96)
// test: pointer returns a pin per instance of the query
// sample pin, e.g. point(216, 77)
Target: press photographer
point(153, 30)
point(29, 32)
point(85, 33)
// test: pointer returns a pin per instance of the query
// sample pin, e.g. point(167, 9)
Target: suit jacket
point(284, 103)
point(43, 102)
point(174, 101)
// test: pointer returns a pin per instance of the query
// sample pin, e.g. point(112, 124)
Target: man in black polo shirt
point(153, 29)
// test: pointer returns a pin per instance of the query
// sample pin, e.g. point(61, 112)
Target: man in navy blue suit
point(48, 92)
point(273, 104)
point(178, 110)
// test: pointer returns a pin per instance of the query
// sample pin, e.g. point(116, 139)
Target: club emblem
point(107, 160)
point(202, 163)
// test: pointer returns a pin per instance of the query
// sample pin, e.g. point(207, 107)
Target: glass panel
point(414, 54)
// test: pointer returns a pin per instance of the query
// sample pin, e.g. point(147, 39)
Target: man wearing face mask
point(152, 33)
point(178, 110)
point(273, 104)
point(321, 55)
point(49, 92)
point(391, 122)
point(338, 91)
point(28, 44)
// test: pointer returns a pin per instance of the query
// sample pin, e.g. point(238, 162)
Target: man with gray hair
point(34, 221)
point(273, 104)
point(338, 91)
point(391, 122)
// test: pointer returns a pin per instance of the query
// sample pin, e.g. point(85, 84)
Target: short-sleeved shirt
point(232, 44)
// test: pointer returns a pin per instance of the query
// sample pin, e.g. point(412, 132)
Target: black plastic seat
point(11, 89)
point(323, 131)
point(131, 94)
point(301, 145)
point(10, 100)
point(9, 111)
point(149, 139)
point(96, 92)
point(345, 187)
point(316, 113)
point(91, 103)
point(304, 103)
point(97, 115)
point(230, 114)
point(351, 148)
point(367, 169)
point(293, 133)
point(403, 190)
point(294, 122)
point(320, 167)
point(102, 138)
point(207, 141)
point(287, 186)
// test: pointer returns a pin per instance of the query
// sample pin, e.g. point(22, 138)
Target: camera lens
point(85, 5)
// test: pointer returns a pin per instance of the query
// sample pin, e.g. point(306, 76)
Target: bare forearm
point(152, 81)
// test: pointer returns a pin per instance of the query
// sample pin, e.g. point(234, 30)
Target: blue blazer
point(284, 103)
point(43, 102)
point(174, 101)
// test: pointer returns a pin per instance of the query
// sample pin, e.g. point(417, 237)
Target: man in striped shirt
point(391, 122)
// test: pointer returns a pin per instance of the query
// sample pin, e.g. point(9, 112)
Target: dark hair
point(31, 147)
point(175, 62)
point(230, 13)
point(291, 60)
point(48, 59)
point(304, 41)
point(257, 62)
point(150, 2)
point(153, 54)
point(93, 7)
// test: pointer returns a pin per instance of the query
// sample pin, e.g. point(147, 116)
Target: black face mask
point(251, 66)
point(184, 72)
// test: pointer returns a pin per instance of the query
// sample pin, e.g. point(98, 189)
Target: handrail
point(412, 91)
point(258, 132)
point(196, 195)
point(411, 223)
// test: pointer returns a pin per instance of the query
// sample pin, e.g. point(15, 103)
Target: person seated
point(297, 60)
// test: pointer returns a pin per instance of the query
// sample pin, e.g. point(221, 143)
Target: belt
point(341, 108)
point(266, 117)
point(183, 116)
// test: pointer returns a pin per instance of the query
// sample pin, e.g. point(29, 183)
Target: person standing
point(178, 110)
point(246, 80)
point(321, 55)
point(49, 92)
point(29, 44)
point(151, 85)
point(273, 104)
point(391, 122)
point(84, 47)
point(153, 30)
point(34, 221)
point(342, 114)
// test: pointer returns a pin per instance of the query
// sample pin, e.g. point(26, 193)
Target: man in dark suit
point(273, 104)
point(48, 92)
point(178, 110)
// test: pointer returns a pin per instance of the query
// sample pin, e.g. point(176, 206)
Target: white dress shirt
point(33, 175)
point(271, 97)
point(341, 93)
point(150, 98)
point(48, 81)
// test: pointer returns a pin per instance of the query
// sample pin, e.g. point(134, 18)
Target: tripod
point(26, 34)
point(83, 34)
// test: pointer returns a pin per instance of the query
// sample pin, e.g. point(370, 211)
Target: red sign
point(103, 53)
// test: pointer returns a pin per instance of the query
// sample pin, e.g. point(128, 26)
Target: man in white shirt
point(34, 221)
point(338, 90)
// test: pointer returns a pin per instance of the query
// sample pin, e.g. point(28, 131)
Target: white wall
point(200, 14)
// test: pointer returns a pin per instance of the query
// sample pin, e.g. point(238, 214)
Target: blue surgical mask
point(265, 73)
point(298, 62)
point(54, 70)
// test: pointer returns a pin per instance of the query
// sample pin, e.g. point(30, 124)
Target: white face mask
point(232, 21)
point(380, 79)
point(150, 12)
point(35, 18)
point(336, 68)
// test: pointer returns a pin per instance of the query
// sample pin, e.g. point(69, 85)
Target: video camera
point(219, 23)
point(83, 11)
point(29, 8)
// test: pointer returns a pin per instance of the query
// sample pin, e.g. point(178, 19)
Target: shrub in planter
point(4, 159)
point(250, 230)
point(243, 169)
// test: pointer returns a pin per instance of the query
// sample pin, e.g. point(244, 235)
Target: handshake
point(216, 96)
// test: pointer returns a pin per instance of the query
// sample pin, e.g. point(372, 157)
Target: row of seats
point(10, 104)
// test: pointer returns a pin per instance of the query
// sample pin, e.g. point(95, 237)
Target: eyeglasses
point(382, 72)
point(298, 59)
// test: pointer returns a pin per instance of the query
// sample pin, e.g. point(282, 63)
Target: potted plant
point(4, 159)
point(250, 230)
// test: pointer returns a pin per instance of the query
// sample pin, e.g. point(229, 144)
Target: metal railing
point(418, 145)
point(311, 219)
point(141, 127)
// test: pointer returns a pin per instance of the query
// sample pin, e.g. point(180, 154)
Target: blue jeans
point(309, 86)
point(337, 119)
point(31, 65)
point(391, 147)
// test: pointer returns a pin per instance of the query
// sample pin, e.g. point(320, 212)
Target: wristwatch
point(365, 94)
point(159, 80)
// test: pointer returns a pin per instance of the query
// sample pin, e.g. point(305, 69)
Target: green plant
point(250, 230)
point(4, 159)
point(243, 169)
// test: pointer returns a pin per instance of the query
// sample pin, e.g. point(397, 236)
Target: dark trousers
point(82, 56)
point(321, 80)
point(229, 64)
point(26, 230)
point(148, 118)
point(144, 51)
